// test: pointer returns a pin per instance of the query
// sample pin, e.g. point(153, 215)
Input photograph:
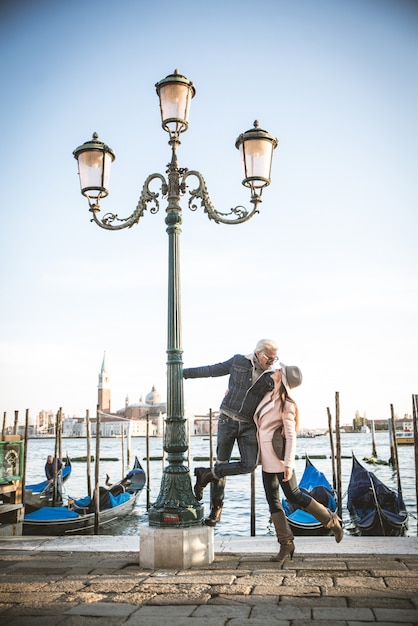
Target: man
point(50, 468)
point(249, 381)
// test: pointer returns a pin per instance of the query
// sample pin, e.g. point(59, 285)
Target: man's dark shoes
point(214, 515)
point(204, 476)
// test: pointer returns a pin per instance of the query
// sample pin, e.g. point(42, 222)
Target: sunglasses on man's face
point(270, 359)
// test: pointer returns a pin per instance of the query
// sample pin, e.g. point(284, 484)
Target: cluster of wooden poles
point(334, 430)
point(58, 455)
point(393, 460)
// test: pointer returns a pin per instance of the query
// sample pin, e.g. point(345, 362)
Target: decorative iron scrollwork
point(236, 215)
point(147, 196)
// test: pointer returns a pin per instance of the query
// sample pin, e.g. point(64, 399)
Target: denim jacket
point(243, 396)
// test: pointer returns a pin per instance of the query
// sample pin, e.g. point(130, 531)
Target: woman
point(276, 413)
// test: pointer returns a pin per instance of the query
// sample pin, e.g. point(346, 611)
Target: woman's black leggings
point(290, 488)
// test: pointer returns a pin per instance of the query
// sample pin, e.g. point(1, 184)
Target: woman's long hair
point(283, 395)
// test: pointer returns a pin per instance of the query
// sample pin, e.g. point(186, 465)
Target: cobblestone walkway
point(109, 588)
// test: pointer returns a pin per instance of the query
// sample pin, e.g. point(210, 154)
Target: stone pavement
point(98, 580)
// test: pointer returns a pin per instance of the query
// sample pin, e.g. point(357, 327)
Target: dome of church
point(153, 397)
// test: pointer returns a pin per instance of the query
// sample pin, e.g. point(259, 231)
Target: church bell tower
point(103, 396)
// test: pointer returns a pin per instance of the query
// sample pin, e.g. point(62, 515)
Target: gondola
point(316, 485)
point(79, 514)
point(375, 509)
point(40, 494)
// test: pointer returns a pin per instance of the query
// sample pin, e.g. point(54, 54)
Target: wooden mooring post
point(96, 474)
point(148, 464)
point(57, 487)
point(25, 454)
point(331, 443)
point(123, 450)
point(398, 473)
point(210, 438)
point(88, 451)
point(338, 447)
point(415, 426)
point(374, 450)
point(394, 451)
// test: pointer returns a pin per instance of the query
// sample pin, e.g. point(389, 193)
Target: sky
point(328, 268)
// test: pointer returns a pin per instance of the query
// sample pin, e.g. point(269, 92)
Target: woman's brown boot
point(284, 537)
point(327, 518)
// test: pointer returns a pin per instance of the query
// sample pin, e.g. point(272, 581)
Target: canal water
point(236, 512)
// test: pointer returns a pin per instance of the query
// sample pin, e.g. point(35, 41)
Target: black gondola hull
point(375, 509)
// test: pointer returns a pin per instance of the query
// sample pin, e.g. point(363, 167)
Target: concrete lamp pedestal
point(176, 548)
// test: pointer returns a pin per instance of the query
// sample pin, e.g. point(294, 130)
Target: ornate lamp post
point(176, 505)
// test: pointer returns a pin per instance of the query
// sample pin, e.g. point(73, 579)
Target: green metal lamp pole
point(176, 505)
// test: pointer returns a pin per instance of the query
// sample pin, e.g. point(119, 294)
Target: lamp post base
point(176, 548)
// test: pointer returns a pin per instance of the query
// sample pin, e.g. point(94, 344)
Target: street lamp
point(176, 505)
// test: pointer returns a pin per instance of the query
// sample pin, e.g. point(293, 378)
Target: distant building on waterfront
point(45, 423)
point(201, 424)
point(136, 419)
point(103, 389)
point(363, 424)
point(154, 408)
point(148, 414)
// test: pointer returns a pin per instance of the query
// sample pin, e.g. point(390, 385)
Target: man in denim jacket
point(249, 381)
